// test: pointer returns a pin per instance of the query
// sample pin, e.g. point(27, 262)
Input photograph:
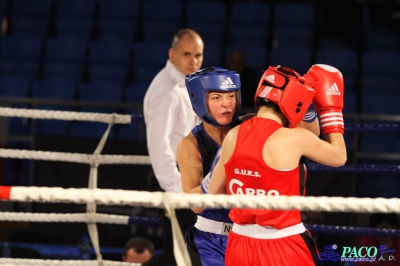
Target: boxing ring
point(93, 196)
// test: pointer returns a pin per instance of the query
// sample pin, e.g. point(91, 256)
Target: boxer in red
point(261, 157)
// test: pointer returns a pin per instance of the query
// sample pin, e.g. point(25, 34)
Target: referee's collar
point(178, 76)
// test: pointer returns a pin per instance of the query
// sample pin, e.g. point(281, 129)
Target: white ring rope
point(64, 115)
point(37, 262)
point(181, 201)
point(74, 157)
point(65, 217)
point(94, 159)
point(169, 201)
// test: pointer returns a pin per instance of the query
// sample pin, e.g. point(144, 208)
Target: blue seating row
point(109, 61)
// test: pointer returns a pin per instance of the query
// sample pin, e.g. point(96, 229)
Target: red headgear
point(288, 90)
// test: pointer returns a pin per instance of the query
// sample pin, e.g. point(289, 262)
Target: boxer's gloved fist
point(327, 82)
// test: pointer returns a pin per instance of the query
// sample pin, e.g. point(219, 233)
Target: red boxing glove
point(327, 82)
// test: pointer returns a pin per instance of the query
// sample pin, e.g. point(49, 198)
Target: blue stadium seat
point(294, 14)
point(75, 17)
point(135, 92)
point(3, 7)
point(150, 58)
point(290, 35)
point(131, 131)
point(68, 48)
point(101, 91)
point(249, 31)
point(19, 126)
point(151, 53)
point(76, 8)
point(381, 39)
point(109, 59)
point(136, 130)
point(159, 30)
point(208, 18)
point(31, 17)
point(294, 24)
point(145, 73)
point(119, 9)
point(21, 47)
point(55, 88)
point(31, 26)
point(212, 55)
point(28, 8)
point(255, 55)
point(112, 73)
point(72, 26)
point(350, 98)
point(128, 132)
point(69, 62)
point(381, 83)
point(96, 91)
point(62, 69)
point(299, 61)
point(381, 63)
point(118, 19)
point(117, 29)
point(161, 19)
point(378, 37)
point(25, 68)
point(87, 129)
point(52, 127)
point(91, 130)
point(380, 102)
point(343, 59)
point(110, 51)
point(14, 86)
point(20, 54)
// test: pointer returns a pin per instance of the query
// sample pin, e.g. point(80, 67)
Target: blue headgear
point(208, 79)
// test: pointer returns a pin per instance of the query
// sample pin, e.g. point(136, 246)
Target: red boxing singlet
point(247, 173)
point(264, 237)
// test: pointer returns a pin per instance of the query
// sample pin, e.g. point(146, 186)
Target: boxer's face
point(221, 106)
point(187, 57)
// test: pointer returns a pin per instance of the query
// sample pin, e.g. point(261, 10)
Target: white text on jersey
point(249, 191)
point(246, 172)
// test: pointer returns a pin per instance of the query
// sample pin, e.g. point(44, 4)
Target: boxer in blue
point(215, 98)
point(215, 95)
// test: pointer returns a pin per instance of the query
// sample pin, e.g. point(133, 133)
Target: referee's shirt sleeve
point(162, 116)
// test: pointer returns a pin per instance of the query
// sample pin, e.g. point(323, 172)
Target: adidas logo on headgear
point(228, 83)
point(333, 90)
point(270, 78)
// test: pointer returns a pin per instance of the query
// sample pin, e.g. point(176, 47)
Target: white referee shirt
point(169, 117)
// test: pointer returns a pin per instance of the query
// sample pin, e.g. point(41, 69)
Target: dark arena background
point(101, 55)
